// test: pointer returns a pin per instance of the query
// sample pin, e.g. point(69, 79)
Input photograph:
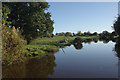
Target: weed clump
point(12, 45)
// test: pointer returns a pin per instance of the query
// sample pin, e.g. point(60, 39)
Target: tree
point(74, 34)
point(31, 19)
point(106, 33)
point(95, 33)
point(68, 34)
point(52, 35)
point(12, 42)
point(62, 34)
point(116, 26)
point(87, 33)
point(56, 34)
point(113, 33)
point(79, 33)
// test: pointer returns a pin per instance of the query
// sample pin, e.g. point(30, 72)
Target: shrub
point(12, 45)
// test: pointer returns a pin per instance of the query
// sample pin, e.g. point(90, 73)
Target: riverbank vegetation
point(12, 46)
point(45, 45)
point(27, 31)
point(23, 22)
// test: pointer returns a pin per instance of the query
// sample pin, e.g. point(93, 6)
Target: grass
point(56, 40)
point(45, 46)
point(39, 50)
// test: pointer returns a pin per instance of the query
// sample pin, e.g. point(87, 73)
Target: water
point(93, 60)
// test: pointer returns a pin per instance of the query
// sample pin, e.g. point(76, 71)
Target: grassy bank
point(44, 46)
point(58, 40)
point(39, 50)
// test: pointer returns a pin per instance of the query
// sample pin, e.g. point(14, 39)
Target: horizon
point(83, 16)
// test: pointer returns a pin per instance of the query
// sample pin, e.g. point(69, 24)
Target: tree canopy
point(30, 18)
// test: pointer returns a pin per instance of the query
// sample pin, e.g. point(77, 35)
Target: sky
point(83, 16)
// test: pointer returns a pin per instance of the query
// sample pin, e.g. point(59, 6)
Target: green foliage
point(40, 50)
point(74, 34)
point(87, 33)
point(5, 12)
point(95, 33)
point(79, 33)
point(60, 34)
point(31, 18)
point(105, 35)
point(0, 16)
point(12, 42)
point(77, 40)
point(12, 45)
point(48, 35)
point(117, 26)
point(68, 34)
point(57, 39)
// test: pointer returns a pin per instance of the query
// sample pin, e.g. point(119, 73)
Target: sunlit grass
point(39, 50)
point(56, 39)
point(44, 46)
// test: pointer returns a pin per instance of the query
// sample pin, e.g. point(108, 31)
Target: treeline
point(104, 34)
point(79, 33)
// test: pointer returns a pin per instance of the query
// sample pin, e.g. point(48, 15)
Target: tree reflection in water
point(117, 50)
point(78, 46)
point(33, 68)
point(106, 41)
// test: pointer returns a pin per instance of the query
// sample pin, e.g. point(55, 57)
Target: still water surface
point(93, 60)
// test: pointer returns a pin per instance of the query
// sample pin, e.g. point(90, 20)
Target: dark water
point(93, 60)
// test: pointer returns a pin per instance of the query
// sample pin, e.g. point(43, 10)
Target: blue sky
point(83, 16)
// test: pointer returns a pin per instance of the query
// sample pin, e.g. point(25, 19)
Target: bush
point(12, 45)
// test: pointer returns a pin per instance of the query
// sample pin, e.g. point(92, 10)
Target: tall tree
point(30, 18)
